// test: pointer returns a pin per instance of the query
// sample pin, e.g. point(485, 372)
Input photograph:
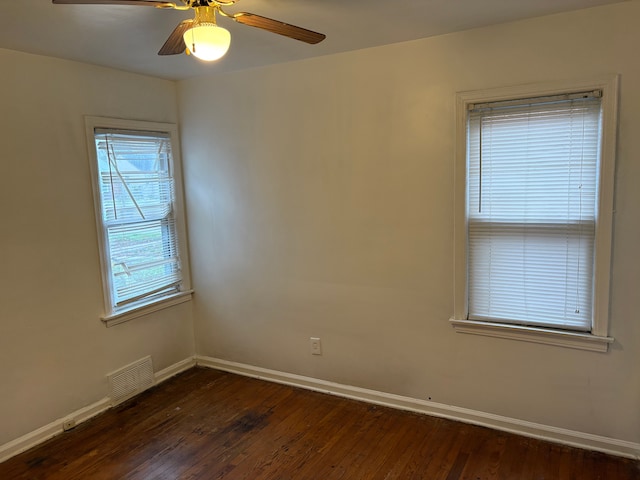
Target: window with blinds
point(140, 220)
point(532, 197)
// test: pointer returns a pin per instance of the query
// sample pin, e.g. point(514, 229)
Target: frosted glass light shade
point(207, 41)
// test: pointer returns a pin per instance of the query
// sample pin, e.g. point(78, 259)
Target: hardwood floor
point(207, 424)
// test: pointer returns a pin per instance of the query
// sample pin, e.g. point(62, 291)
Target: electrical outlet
point(68, 424)
point(316, 346)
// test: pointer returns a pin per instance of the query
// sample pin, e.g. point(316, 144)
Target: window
point(535, 214)
point(138, 197)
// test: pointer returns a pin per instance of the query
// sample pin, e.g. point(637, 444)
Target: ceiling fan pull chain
point(193, 42)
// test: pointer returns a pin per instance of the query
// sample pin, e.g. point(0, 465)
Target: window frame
point(113, 315)
point(598, 339)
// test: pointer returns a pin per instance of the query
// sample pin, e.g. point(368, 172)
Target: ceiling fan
point(201, 36)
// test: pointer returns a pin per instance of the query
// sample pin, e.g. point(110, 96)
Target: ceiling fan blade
point(175, 43)
point(151, 3)
point(281, 28)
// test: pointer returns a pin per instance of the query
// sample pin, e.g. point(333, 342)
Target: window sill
point(139, 311)
point(582, 341)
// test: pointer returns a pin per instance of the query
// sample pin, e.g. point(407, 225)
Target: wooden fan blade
point(150, 3)
point(281, 28)
point(175, 43)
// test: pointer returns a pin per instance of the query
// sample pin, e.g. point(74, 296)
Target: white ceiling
point(129, 37)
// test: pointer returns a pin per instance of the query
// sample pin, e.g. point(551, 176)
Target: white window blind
point(532, 190)
point(137, 204)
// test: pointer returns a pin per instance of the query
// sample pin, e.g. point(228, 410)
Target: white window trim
point(598, 339)
point(111, 317)
point(139, 311)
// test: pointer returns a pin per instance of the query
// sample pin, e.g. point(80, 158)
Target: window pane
point(537, 163)
point(527, 274)
point(137, 194)
point(135, 179)
point(142, 259)
point(532, 196)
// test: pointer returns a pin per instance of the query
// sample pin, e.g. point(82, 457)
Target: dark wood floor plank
point(417, 435)
point(439, 454)
point(341, 450)
point(389, 437)
point(442, 461)
point(207, 424)
point(219, 432)
point(263, 448)
point(303, 454)
point(485, 449)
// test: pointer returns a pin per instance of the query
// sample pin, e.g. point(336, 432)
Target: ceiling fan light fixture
point(207, 41)
point(201, 36)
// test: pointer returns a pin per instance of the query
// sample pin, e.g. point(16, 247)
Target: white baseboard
point(54, 428)
point(573, 438)
point(174, 369)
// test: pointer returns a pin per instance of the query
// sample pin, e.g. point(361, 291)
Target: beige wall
point(54, 350)
point(320, 199)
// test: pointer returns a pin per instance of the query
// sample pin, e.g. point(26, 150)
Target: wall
point(54, 350)
point(320, 199)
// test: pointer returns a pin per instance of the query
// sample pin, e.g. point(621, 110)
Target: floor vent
point(131, 380)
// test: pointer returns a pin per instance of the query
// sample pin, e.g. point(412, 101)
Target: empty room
point(296, 239)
